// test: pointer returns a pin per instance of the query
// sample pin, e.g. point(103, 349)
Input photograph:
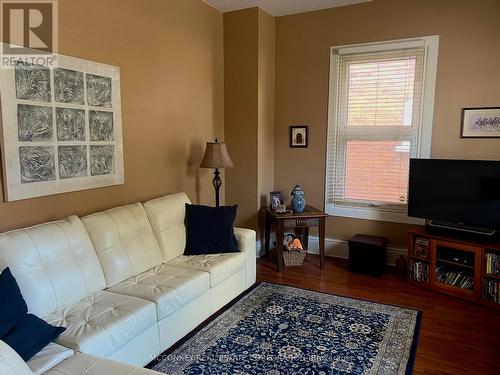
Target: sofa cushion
point(11, 363)
point(167, 215)
point(210, 230)
point(54, 264)
point(103, 322)
point(124, 242)
point(13, 305)
point(49, 357)
point(84, 364)
point(169, 287)
point(31, 334)
point(220, 266)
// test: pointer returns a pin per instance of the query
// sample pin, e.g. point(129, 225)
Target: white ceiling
point(280, 7)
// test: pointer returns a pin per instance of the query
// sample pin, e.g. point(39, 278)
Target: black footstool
point(367, 254)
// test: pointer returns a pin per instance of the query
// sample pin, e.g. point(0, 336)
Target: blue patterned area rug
point(274, 329)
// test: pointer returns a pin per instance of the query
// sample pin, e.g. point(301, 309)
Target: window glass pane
point(377, 171)
point(381, 92)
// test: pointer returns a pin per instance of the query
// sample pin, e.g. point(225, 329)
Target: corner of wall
point(249, 69)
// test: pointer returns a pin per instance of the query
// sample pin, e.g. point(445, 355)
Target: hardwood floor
point(456, 337)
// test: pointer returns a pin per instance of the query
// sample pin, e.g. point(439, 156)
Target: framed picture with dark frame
point(298, 136)
point(480, 122)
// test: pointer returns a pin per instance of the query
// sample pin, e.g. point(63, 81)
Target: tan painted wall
point(266, 106)
point(468, 75)
point(241, 112)
point(171, 58)
point(249, 66)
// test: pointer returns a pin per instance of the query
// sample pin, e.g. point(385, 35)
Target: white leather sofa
point(117, 280)
point(78, 364)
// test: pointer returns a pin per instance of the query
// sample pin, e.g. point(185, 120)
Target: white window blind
point(377, 123)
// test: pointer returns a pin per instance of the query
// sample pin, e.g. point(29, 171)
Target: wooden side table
point(311, 217)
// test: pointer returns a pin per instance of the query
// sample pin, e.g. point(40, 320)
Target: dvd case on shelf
point(419, 271)
point(421, 247)
point(492, 290)
point(492, 263)
point(458, 278)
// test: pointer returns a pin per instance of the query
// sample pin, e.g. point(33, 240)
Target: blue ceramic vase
point(298, 200)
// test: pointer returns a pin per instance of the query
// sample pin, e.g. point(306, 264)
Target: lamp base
point(217, 182)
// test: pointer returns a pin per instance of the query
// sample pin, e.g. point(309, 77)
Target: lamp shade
point(216, 156)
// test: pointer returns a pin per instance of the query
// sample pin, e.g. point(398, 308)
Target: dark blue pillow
point(12, 306)
point(30, 335)
point(209, 230)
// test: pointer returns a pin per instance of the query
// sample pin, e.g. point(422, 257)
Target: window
point(380, 116)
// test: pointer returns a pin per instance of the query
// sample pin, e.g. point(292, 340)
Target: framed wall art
point(480, 122)
point(298, 136)
point(61, 127)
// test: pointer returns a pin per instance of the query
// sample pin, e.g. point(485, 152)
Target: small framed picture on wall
point(298, 136)
point(480, 122)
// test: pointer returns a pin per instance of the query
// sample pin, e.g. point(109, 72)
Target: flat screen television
point(464, 194)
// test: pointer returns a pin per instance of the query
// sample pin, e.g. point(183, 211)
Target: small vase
point(298, 200)
point(401, 267)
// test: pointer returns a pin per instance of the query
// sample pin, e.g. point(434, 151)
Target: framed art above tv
point(480, 122)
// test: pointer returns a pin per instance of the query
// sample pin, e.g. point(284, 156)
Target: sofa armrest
point(87, 364)
point(247, 244)
point(11, 362)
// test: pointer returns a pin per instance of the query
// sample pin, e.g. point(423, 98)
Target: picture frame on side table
point(276, 199)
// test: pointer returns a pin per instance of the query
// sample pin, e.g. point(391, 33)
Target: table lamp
point(216, 157)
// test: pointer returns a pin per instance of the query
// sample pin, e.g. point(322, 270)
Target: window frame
point(391, 213)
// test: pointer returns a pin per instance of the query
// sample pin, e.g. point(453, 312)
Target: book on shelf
point(453, 277)
point(419, 271)
point(492, 263)
point(421, 247)
point(492, 290)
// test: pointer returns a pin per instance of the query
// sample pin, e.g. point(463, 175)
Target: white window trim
point(431, 44)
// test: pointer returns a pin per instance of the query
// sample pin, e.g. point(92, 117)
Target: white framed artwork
point(61, 127)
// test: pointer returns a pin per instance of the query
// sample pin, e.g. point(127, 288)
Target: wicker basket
point(294, 257)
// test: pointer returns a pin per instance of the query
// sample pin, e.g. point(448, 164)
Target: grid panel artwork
point(61, 128)
point(36, 123)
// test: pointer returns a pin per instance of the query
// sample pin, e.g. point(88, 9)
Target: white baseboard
point(338, 248)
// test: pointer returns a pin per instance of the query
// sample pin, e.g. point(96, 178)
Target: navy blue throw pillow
point(30, 335)
point(209, 230)
point(12, 306)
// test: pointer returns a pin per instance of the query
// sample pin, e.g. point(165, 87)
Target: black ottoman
point(367, 254)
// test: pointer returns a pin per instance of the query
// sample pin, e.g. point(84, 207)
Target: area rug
point(274, 329)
